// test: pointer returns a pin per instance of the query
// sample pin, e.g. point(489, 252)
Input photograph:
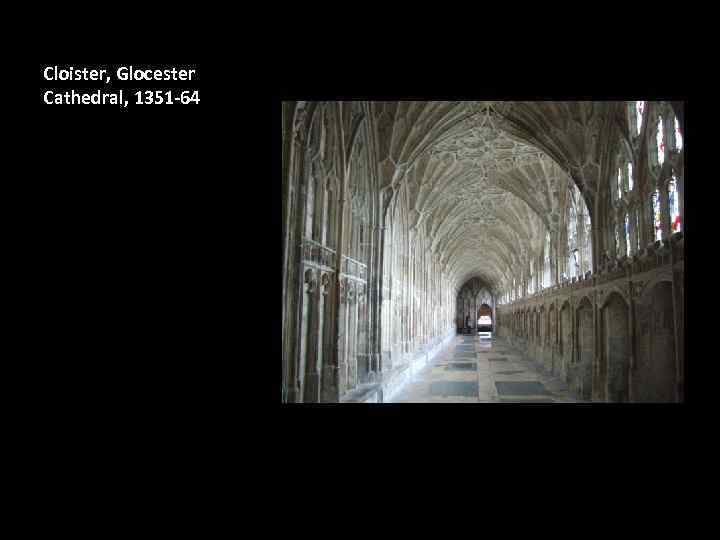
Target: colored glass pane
point(627, 235)
point(674, 205)
point(678, 136)
point(639, 110)
point(660, 142)
point(657, 215)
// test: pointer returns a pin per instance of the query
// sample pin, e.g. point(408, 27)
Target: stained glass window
point(630, 177)
point(639, 110)
point(572, 237)
point(657, 215)
point(627, 235)
point(661, 142)
point(587, 258)
point(531, 285)
point(678, 137)
point(674, 205)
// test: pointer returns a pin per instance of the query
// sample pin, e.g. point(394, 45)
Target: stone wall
point(366, 301)
point(615, 337)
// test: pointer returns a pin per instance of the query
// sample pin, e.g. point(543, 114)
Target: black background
point(160, 261)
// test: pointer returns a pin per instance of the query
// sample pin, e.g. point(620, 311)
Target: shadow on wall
point(654, 378)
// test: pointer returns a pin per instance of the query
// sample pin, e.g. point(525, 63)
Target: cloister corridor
point(412, 228)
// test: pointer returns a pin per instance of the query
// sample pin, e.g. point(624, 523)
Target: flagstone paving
point(474, 370)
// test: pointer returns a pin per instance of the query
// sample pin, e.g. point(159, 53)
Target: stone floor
point(474, 370)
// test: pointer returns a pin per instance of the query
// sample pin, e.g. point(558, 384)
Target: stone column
point(473, 319)
point(633, 338)
point(665, 212)
point(679, 327)
point(621, 236)
point(328, 388)
point(294, 304)
point(292, 270)
point(314, 297)
point(633, 230)
point(333, 383)
point(352, 331)
point(307, 333)
point(343, 331)
point(378, 298)
point(597, 393)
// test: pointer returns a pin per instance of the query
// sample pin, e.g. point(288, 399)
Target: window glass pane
point(576, 261)
point(657, 214)
point(630, 177)
point(627, 235)
point(619, 183)
point(639, 109)
point(678, 137)
point(660, 142)
point(588, 242)
point(674, 205)
point(572, 238)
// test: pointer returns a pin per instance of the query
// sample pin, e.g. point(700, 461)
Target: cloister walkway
point(474, 370)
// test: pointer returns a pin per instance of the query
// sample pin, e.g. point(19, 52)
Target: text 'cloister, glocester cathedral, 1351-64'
point(482, 252)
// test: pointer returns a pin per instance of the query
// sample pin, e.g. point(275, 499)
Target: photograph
point(486, 252)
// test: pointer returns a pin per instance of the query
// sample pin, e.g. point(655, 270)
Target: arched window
point(572, 238)
point(630, 176)
point(627, 235)
point(546, 276)
point(675, 224)
point(310, 206)
point(661, 141)
point(657, 215)
point(639, 111)
point(531, 284)
point(619, 184)
point(678, 136)
point(587, 246)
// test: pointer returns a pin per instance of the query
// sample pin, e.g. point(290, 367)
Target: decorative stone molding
point(326, 283)
point(361, 294)
point(350, 294)
point(636, 288)
point(317, 255)
point(299, 124)
point(353, 269)
point(310, 280)
point(342, 292)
